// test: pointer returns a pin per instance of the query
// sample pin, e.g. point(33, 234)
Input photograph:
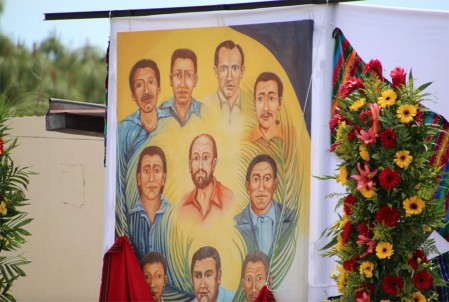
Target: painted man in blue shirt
point(136, 129)
point(206, 277)
point(260, 220)
point(146, 232)
point(183, 78)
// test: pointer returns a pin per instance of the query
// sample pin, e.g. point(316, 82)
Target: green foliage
point(30, 77)
point(381, 238)
point(13, 183)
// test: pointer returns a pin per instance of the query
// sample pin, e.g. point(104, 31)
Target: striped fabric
point(347, 63)
point(443, 263)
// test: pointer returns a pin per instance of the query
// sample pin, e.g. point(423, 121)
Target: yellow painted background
point(159, 45)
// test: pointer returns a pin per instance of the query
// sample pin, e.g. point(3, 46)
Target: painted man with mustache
point(229, 103)
point(255, 274)
point(210, 199)
point(144, 219)
point(259, 222)
point(183, 78)
point(268, 91)
point(136, 128)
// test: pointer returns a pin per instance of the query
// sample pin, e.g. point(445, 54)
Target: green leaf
point(424, 86)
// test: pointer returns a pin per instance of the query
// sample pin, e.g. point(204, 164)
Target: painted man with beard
point(210, 198)
point(136, 128)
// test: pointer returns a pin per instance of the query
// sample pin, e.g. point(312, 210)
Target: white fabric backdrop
point(412, 39)
point(397, 37)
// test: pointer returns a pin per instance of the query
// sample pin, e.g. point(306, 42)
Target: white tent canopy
point(391, 31)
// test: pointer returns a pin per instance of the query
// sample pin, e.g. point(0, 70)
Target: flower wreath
point(381, 239)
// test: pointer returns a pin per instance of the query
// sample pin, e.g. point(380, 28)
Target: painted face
point(229, 72)
point(183, 79)
point(146, 89)
point(151, 177)
point(254, 278)
point(155, 278)
point(202, 162)
point(267, 103)
point(206, 280)
point(261, 187)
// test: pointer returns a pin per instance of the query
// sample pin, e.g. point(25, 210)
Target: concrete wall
point(66, 201)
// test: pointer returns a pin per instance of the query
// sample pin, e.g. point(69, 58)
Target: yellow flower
point(357, 105)
point(341, 130)
point(426, 228)
point(339, 245)
point(387, 99)
point(364, 152)
point(343, 176)
point(366, 268)
point(413, 205)
point(368, 192)
point(343, 221)
point(406, 113)
point(384, 250)
point(418, 297)
point(385, 301)
point(3, 209)
point(403, 159)
point(341, 281)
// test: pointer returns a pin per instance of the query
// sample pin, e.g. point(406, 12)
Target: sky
point(23, 20)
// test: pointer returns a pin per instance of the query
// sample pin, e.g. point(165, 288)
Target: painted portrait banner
point(212, 155)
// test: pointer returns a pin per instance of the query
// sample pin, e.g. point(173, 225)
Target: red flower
point(363, 229)
point(388, 138)
point(364, 288)
point(334, 146)
point(347, 231)
point(336, 118)
point(362, 296)
point(418, 257)
point(349, 202)
point(388, 216)
point(398, 77)
point(392, 284)
point(353, 133)
point(389, 179)
point(373, 66)
point(350, 85)
point(2, 146)
point(366, 117)
point(422, 280)
point(369, 242)
point(418, 117)
point(351, 264)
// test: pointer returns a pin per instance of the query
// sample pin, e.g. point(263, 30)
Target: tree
point(30, 77)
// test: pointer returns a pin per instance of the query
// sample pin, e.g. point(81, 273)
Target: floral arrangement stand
point(381, 238)
point(13, 184)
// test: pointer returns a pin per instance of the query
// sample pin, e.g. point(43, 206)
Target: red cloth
point(265, 295)
point(122, 278)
